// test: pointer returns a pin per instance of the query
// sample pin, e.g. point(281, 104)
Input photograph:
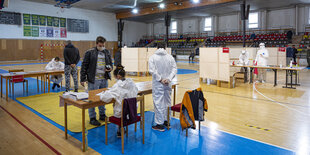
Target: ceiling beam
point(169, 7)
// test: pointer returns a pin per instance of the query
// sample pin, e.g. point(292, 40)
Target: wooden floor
point(283, 115)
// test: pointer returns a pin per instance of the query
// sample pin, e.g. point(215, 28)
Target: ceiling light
point(161, 5)
point(196, 1)
point(135, 11)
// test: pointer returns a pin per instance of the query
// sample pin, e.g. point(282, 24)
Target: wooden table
point(43, 74)
point(144, 88)
point(289, 72)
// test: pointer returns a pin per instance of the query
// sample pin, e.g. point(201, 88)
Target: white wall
point(190, 26)
point(133, 32)
point(284, 18)
point(159, 28)
point(100, 23)
point(228, 23)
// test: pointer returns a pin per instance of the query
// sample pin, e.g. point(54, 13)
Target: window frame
point(172, 30)
point(209, 27)
point(254, 23)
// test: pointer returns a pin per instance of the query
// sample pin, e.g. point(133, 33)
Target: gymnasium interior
point(251, 108)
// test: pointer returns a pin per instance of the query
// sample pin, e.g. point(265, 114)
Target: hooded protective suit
point(262, 55)
point(53, 65)
point(121, 90)
point(262, 60)
point(244, 58)
point(162, 66)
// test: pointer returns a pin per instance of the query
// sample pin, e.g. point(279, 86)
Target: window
point(253, 20)
point(208, 24)
point(173, 27)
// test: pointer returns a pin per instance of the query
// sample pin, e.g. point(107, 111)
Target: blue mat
point(186, 71)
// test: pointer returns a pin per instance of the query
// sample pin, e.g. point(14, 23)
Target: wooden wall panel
point(17, 49)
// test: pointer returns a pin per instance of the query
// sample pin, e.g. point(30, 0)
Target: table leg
point(48, 84)
point(174, 97)
point(141, 113)
point(291, 79)
point(296, 78)
point(44, 82)
point(286, 74)
point(83, 129)
point(41, 83)
point(38, 83)
point(66, 125)
point(6, 90)
point(1, 86)
point(275, 77)
point(143, 119)
point(245, 74)
point(251, 75)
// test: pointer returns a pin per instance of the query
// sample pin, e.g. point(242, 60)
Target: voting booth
point(136, 59)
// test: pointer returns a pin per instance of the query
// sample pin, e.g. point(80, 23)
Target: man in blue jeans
point(95, 70)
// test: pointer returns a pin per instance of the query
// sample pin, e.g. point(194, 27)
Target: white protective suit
point(262, 60)
point(53, 65)
point(162, 66)
point(120, 91)
point(244, 58)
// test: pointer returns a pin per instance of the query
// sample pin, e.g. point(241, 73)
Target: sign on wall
point(26, 19)
point(55, 21)
point(49, 21)
point(35, 19)
point(27, 31)
point(225, 50)
point(49, 32)
point(63, 33)
point(42, 32)
point(42, 20)
point(56, 32)
point(35, 31)
point(63, 22)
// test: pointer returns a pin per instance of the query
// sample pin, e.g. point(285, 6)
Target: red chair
point(120, 122)
point(18, 79)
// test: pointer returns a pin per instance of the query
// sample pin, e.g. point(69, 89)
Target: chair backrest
point(15, 70)
point(18, 78)
point(134, 106)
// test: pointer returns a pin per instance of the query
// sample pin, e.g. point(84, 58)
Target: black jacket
point(71, 55)
point(89, 64)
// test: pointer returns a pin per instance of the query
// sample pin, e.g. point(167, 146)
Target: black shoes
point(118, 134)
point(58, 85)
point(166, 124)
point(95, 122)
point(102, 117)
point(158, 128)
point(76, 90)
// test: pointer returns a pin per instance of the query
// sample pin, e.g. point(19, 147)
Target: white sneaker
point(263, 81)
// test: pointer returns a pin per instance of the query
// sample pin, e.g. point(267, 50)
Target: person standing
point(72, 58)
point(163, 68)
point(262, 60)
point(294, 53)
point(95, 70)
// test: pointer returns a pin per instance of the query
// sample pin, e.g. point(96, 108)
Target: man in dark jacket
point(97, 64)
point(118, 57)
point(294, 53)
point(72, 58)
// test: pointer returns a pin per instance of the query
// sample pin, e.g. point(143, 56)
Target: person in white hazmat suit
point(163, 68)
point(122, 89)
point(244, 60)
point(55, 64)
point(262, 60)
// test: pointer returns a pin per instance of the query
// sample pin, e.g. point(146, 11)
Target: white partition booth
point(215, 62)
point(136, 59)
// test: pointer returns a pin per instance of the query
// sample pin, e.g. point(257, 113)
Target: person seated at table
point(55, 64)
point(122, 89)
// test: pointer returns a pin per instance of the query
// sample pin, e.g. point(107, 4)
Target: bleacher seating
point(305, 42)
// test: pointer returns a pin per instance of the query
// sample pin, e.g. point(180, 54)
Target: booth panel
point(209, 70)
point(208, 55)
point(224, 72)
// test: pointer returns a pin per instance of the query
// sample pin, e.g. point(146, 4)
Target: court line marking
point(32, 132)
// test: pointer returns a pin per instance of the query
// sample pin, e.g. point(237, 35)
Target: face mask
point(100, 48)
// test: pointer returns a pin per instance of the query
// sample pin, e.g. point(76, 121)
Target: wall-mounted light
point(161, 5)
point(196, 1)
point(135, 11)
